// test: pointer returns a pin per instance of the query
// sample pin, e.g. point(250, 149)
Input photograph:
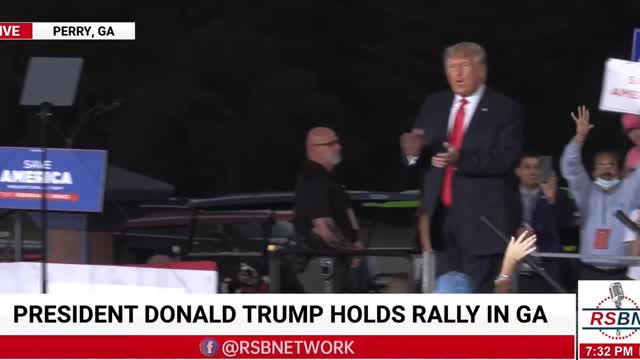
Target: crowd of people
point(467, 142)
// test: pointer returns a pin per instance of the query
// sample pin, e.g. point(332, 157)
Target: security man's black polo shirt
point(318, 195)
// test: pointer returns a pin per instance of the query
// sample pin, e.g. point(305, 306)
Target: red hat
point(630, 121)
point(633, 158)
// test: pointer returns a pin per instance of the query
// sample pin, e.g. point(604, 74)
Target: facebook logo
point(209, 347)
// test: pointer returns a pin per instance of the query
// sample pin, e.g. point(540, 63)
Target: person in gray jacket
point(597, 200)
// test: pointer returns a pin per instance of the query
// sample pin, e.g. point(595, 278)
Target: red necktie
point(455, 139)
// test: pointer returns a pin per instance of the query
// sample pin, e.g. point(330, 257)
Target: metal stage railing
point(428, 259)
point(426, 272)
point(630, 259)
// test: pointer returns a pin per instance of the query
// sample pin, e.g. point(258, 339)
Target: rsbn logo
point(618, 322)
point(209, 347)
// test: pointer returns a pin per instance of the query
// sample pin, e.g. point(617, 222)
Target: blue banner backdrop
point(74, 179)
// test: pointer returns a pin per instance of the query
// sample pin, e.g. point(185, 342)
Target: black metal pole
point(627, 222)
point(44, 117)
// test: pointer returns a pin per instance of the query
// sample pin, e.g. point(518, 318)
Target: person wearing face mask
point(323, 215)
point(597, 201)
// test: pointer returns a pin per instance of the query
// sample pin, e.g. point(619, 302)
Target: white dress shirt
point(472, 104)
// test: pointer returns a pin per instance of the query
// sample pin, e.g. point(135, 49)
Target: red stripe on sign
point(21, 195)
point(610, 351)
point(289, 347)
point(17, 31)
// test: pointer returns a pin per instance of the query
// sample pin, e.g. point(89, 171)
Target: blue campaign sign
point(635, 52)
point(74, 179)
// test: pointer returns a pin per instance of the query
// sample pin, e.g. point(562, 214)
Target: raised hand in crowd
point(520, 247)
point(583, 126)
point(517, 250)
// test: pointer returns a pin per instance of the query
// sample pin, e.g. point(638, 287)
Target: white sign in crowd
point(621, 87)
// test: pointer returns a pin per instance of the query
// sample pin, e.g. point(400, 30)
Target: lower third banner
point(288, 347)
point(289, 326)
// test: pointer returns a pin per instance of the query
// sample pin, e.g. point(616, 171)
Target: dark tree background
point(219, 94)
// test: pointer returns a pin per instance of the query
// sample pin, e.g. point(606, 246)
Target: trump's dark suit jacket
point(484, 181)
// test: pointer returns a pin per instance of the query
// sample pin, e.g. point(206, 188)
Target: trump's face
point(465, 74)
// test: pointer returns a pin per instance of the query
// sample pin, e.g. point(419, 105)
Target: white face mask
point(607, 184)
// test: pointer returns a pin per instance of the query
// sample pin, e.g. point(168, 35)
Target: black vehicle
point(238, 230)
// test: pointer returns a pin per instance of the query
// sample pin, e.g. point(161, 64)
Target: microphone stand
point(44, 115)
point(533, 265)
point(626, 221)
point(83, 119)
point(94, 112)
